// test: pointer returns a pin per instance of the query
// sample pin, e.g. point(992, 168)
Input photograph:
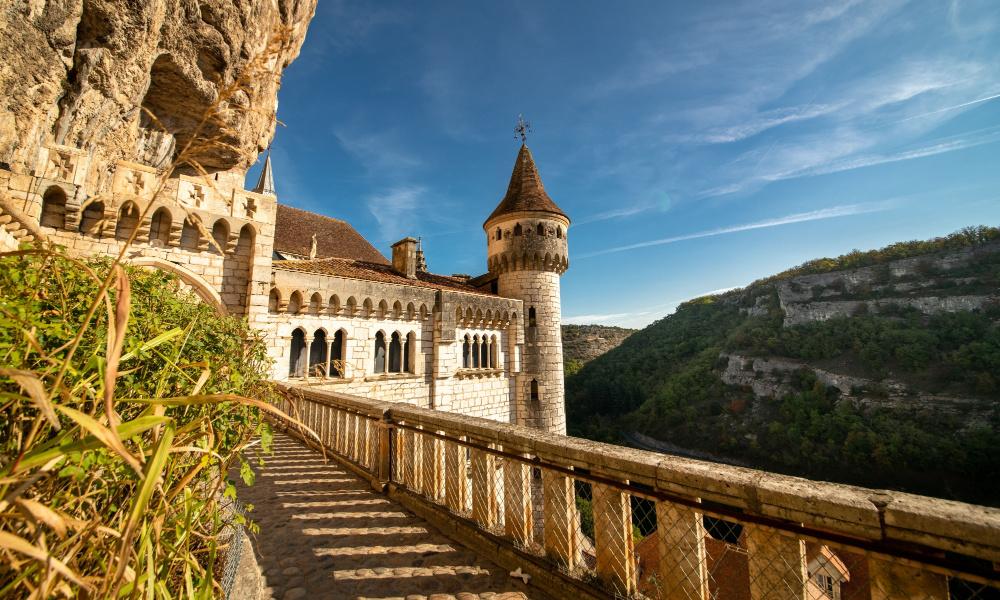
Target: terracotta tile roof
point(294, 228)
point(525, 190)
point(368, 271)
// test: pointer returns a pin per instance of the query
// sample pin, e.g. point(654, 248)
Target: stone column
point(561, 522)
point(329, 352)
point(683, 568)
point(517, 499)
point(777, 564)
point(895, 581)
point(613, 539)
point(485, 508)
point(456, 477)
point(309, 343)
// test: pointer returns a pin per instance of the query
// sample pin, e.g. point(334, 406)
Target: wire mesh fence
point(627, 539)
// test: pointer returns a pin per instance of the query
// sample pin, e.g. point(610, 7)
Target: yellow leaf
point(35, 389)
point(23, 546)
point(43, 514)
point(107, 437)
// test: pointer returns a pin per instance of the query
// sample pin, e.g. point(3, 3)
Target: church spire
point(525, 191)
point(265, 183)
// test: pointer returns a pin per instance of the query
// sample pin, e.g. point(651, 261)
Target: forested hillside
point(584, 343)
point(877, 368)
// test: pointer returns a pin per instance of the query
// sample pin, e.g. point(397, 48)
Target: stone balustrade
point(597, 520)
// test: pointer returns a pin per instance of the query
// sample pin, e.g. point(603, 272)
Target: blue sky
point(696, 146)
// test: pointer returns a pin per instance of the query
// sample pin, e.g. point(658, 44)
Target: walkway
point(324, 533)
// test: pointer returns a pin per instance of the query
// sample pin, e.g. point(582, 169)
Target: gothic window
point(532, 320)
point(380, 352)
point(190, 235)
point(517, 229)
point(159, 228)
point(475, 352)
point(317, 354)
point(53, 208)
point(220, 233)
point(541, 229)
point(315, 303)
point(297, 357)
point(395, 353)
point(91, 220)
point(334, 305)
point(534, 390)
point(352, 306)
point(128, 220)
point(295, 303)
point(337, 355)
point(466, 353)
point(484, 353)
point(273, 300)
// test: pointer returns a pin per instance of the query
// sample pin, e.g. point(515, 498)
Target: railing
point(612, 521)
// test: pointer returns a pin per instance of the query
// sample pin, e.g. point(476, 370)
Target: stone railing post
point(340, 433)
point(777, 564)
point(485, 509)
point(895, 581)
point(456, 479)
point(613, 539)
point(384, 457)
point(561, 522)
point(517, 499)
point(432, 481)
point(683, 568)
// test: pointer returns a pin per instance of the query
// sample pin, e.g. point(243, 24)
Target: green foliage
point(146, 504)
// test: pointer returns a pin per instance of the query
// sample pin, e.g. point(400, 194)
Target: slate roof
point(525, 191)
point(294, 227)
point(379, 272)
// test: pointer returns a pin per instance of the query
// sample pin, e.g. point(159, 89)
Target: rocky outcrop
point(773, 377)
point(584, 343)
point(79, 73)
point(797, 313)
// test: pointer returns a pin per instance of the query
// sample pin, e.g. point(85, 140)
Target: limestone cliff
point(78, 72)
point(584, 343)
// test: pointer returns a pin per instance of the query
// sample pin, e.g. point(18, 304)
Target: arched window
point(475, 352)
point(53, 208)
point(159, 228)
point(540, 230)
point(410, 353)
point(395, 353)
point(380, 352)
point(297, 357)
point(352, 306)
point(532, 320)
point(484, 353)
point(337, 355)
point(317, 355)
point(274, 300)
point(315, 303)
point(128, 220)
point(467, 353)
point(220, 233)
point(190, 236)
point(499, 233)
point(517, 229)
point(494, 353)
point(558, 232)
point(92, 219)
point(295, 303)
point(534, 390)
point(334, 306)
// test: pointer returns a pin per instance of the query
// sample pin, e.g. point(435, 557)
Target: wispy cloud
point(397, 211)
point(380, 152)
point(641, 317)
point(814, 215)
point(950, 108)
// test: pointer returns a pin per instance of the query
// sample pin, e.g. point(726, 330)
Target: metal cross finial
point(522, 130)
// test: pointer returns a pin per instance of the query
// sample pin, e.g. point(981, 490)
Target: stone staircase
point(16, 227)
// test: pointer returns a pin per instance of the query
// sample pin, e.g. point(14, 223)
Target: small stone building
point(335, 311)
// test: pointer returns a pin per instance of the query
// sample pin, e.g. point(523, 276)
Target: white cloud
point(380, 152)
point(397, 211)
point(814, 215)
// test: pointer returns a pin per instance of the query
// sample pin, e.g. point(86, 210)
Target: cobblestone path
point(324, 533)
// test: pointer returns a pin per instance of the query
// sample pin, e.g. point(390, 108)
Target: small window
point(395, 353)
point(380, 352)
point(825, 584)
point(534, 390)
point(532, 320)
point(53, 208)
point(467, 353)
point(558, 232)
point(541, 229)
point(499, 233)
point(517, 229)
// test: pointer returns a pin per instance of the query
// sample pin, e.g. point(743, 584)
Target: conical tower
point(526, 240)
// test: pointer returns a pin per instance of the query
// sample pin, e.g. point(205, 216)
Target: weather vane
point(522, 130)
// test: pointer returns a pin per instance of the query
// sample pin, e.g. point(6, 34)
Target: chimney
point(404, 257)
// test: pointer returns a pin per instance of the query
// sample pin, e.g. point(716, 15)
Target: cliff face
point(584, 343)
point(78, 72)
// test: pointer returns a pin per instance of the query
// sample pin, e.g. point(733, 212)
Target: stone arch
point(533, 390)
point(295, 303)
point(459, 315)
point(159, 227)
point(484, 352)
point(352, 306)
point(53, 208)
point(540, 230)
point(190, 234)
point(198, 284)
point(383, 308)
point(128, 221)
point(548, 260)
point(380, 352)
point(517, 229)
point(559, 231)
point(532, 317)
point(479, 316)
point(396, 352)
point(397, 309)
point(467, 352)
point(410, 353)
point(334, 305)
point(423, 312)
point(92, 220)
point(274, 300)
point(220, 235)
point(239, 264)
point(297, 354)
point(494, 353)
point(411, 311)
point(317, 353)
point(468, 315)
point(338, 354)
point(369, 308)
point(315, 303)
point(475, 351)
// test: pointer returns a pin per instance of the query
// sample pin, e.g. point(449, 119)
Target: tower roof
point(265, 183)
point(525, 191)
